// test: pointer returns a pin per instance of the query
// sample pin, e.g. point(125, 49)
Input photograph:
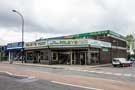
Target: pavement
point(75, 67)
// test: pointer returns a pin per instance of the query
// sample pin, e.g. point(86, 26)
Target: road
point(73, 79)
point(19, 83)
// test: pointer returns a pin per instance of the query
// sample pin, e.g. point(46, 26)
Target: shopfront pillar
point(71, 55)
point(49, 56)
point(89, 56)
point(85, 58)
point(10, 58)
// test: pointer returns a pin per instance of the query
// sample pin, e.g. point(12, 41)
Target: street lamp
point(22, 33)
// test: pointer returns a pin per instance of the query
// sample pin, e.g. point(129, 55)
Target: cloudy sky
point(50, 18)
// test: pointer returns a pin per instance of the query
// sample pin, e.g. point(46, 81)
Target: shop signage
point(94, 34)
point(87, 34)
point(35, 44)
point(97, 43)
point(68, 42)
point(16, 45)
point(105, 49)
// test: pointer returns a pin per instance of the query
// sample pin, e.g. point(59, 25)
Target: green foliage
point(129, 56)
point(129, 38)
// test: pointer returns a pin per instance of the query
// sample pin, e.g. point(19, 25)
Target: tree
point(130, 43)
point(129, 38)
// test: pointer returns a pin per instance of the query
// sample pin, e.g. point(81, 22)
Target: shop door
point(81, 58)
point(64, 57)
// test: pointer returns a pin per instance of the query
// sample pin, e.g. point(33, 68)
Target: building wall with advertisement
point(14, 50)
point(77, 49)
point(118, 41)
point(16, 45)
point(86, 48)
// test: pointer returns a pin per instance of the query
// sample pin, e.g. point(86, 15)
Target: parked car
point(132, 59)
point(123, 62)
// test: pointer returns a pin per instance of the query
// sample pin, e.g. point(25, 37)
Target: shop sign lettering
point(68, 42)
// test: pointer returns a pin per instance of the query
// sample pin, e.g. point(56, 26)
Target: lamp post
point(22, 49)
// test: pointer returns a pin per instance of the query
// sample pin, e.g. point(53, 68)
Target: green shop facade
point(68, 51)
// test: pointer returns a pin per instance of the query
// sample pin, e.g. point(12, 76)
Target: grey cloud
point(111, 16)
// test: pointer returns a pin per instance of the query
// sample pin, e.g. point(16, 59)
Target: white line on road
point(107, 73)
point(92, 71)
point(117, 74)
point(128, 75)
point(73, 85)
point(29, 77)
point(85, 70)
point(9, 73)
point(6, 72)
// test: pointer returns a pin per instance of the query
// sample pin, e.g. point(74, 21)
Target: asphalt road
point(117, 70)
point(62, 79)
point(8, 82)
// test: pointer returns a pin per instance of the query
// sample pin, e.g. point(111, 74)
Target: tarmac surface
point(8, 82)
point(97, 78)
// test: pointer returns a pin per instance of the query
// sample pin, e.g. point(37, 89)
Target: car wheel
point(121, 65)
point(114, 65)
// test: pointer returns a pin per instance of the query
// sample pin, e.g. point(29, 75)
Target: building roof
point(89, 34)
point(105, 32)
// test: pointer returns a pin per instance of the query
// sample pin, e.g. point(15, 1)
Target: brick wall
point(105, 56)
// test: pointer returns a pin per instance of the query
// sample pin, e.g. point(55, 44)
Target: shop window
point(43, 56)
point(54, 56)
point(29, 56)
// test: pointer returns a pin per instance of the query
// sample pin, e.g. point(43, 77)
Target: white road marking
point(127, 75)
point(108, 73)
point(6, 72)
point(100, 72)
point(73, 85)
point(9, 73)
point(92, 71)
point(85, 70)
point(117, 74)
point(79, 70)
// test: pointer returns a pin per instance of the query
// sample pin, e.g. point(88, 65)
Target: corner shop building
point(85, 48)
point(68, 51)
